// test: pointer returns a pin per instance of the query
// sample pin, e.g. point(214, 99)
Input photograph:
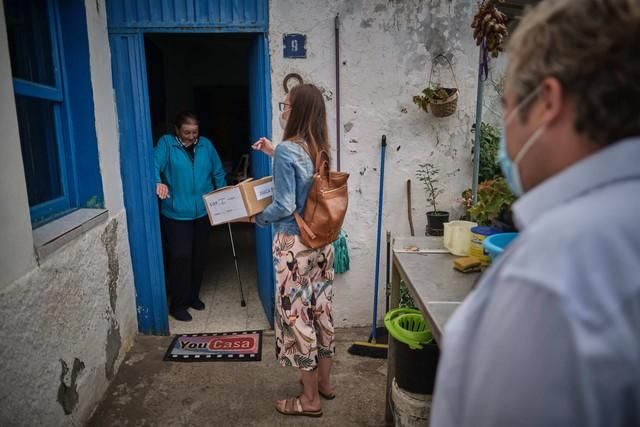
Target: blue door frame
point(128, 21)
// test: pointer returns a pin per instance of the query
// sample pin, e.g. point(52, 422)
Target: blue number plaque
point(294, 45)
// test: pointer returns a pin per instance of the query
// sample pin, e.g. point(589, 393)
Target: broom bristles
point(367, 349)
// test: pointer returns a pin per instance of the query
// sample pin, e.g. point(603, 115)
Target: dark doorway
point(209, 75)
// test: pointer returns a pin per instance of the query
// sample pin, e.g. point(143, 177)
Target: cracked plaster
point(386, 49)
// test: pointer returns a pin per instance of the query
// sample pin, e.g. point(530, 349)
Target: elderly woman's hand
point(264, 145)
point(162, 190)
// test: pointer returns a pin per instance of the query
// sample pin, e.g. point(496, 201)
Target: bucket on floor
point(416, 354)
point(409, 409)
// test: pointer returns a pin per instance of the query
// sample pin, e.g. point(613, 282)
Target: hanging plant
point(440, 101)
point(433, 95)
point(490, 25)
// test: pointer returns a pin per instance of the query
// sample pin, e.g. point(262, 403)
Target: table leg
point(394, 301)
point(394, 298)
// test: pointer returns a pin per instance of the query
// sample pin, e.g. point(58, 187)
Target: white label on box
point(264, 190)
point(226, 205)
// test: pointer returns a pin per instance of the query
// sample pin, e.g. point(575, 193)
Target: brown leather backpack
point(326, 205)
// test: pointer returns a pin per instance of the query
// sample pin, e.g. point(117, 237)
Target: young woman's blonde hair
point(593, 48)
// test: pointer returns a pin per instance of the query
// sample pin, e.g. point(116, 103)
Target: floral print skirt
point(304, 294)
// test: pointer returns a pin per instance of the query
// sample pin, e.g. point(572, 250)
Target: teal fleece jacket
point(188, 180)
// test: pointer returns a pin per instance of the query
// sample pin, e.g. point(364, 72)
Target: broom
point(373, 348)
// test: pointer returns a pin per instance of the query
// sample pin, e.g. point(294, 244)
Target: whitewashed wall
point(386, 52)
point(65, 321)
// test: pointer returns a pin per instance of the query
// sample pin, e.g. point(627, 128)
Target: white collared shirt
point(551, 334)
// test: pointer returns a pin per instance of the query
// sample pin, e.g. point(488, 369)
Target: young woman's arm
point(284, 187)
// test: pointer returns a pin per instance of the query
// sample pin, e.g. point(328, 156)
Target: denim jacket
point(292, 176)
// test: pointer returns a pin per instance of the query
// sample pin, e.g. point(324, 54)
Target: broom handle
point(377, 278)
point(388, 284)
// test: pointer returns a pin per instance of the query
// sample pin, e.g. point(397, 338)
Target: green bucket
point(409, 327)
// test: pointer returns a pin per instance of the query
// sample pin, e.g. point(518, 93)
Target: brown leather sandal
point(293, 406)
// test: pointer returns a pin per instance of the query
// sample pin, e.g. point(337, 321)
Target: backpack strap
point(321, 165)
point(303, 225)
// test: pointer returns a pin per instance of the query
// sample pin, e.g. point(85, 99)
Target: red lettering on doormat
point(235, 344)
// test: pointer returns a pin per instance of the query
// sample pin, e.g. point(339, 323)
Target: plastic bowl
point(495, 244)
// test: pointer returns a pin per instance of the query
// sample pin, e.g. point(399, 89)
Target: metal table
point(436, 288)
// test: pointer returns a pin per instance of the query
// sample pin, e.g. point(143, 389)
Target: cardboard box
point(239, 201)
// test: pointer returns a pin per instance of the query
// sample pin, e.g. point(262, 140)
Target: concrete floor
point(220, 289)
point(150, 392)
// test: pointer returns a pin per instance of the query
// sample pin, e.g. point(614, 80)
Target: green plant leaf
point(494, 196)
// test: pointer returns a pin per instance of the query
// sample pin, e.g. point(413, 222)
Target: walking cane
point(235, 260)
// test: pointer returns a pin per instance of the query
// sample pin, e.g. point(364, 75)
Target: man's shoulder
point(572, 250)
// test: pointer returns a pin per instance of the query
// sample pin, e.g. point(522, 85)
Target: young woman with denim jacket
point(304, 276)
point(186, 167)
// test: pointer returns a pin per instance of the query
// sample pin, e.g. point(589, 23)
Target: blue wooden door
point(260, 125)
point(128, 21)
point(136, 166)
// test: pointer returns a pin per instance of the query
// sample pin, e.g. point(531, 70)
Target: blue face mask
point(509, 167)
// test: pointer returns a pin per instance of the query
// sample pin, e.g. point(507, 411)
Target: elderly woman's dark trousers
point(187, 243)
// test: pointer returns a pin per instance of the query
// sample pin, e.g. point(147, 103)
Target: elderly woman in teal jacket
point(186, 167)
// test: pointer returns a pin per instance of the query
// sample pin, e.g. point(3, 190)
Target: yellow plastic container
point(478, 234)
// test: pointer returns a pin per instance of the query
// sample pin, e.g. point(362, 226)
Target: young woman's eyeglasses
point(282, 105)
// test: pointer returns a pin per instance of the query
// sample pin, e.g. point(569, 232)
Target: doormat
point(243, 346)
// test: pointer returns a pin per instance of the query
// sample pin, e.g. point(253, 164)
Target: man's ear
point(553, 100)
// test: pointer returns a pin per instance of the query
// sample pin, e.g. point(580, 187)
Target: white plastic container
point(457, 237)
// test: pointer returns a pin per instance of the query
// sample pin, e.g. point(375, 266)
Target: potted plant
point(466, 202)
point(493, 205)
point(441, 101)
point(427, 173)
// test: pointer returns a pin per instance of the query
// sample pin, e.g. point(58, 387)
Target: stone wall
point(65, 328)
point(67, 320)
point(387, 49)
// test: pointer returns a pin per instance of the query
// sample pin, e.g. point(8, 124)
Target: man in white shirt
point(551, 334)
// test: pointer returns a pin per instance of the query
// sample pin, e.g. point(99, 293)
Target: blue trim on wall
point(128, 21)
point(136, 165)
point(73, 111)
point(260, 125)
point(188, 15)
point(85, 183)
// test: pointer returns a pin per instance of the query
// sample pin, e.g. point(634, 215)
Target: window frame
point(57, 206)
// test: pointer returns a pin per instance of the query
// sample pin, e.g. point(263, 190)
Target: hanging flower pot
point(440, 101)
point(447, 106)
